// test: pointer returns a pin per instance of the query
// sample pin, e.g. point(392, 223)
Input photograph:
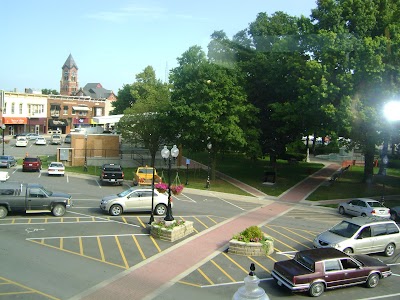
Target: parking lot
point(58, 258)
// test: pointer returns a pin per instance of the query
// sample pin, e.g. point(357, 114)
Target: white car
point(135, 199)
point(56, 168)
point(364, 207)
point(4, 176)
point(21, 142)
point(40, 140)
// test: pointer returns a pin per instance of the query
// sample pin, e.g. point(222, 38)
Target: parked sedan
point(56, 168)
point(134, 199)
point(316, 270)
point(21, 142)
point(32, 136)
point(364, 207)
point(7, 161)
point(41, 141)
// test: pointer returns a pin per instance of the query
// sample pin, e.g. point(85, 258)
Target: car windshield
point(146, 171)
point(304, 261)
point(375, 204)
point(47, 191)
point(125, 193)
point(3, 157)
point(345, 229)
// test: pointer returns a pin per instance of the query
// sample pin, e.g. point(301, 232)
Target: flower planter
point(172, 234)
point(251, 248)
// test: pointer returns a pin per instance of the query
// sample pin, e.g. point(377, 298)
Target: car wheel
point(316, 289)
point(116, 210)
point(390, 249)
point(363, 215)
point(58, 210)
point(393, 215)
point(341, 210)
point(348, 251)
point(161, 209)
point(372, 280)
point(3, 212)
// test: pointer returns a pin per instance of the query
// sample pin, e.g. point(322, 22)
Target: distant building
point(69, 83)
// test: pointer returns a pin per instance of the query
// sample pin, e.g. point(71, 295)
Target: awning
point(81, 108)
point(58, 122)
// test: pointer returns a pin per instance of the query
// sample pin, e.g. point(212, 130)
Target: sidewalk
point(153, 276)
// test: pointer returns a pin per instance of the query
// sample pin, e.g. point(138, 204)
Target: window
point(20, 108)
point(65, 77)
point(365, 233)
point(347, 263)
point(379, 229)
point(65, 110)
point(5, 108)
point(332, 265)
point(12, 107)
point(392, 228)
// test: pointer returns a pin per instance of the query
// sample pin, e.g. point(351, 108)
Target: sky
point(113, 41)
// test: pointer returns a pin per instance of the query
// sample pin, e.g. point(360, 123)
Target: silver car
point(7, 161)
point(361, 235)
point(135, 199)
point(364, 207)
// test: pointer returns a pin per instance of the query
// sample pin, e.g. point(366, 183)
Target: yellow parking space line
point(122, 253)
point(42, 241)
point(93, 219)
point(205, 276)
point(62, 243)
point(62, 220)
point(138, 246)
point(155, 243)
point(29, 221)
point(287, 255)
point(223, 271)
point(307, 231)
point(28, 288)
point(212, 219)
point(280, 242)
point(258, 264)
point(239, 266)
point(77, 219)
point(100, 248)
point(13, 221)
point(193, 226)
point(45, 220)
point(191, 284)
point(125, 221)
point(80, 246)
point(289, 238)
point(72, 252)
point(201, 222)
point(141, 222)
point(17, 293)
point(299, 235)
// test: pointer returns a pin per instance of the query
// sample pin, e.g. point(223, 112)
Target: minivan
point(361, 235)
point(56, 139)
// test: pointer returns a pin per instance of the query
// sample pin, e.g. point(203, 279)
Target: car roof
point(323, 253)
point(368, 220)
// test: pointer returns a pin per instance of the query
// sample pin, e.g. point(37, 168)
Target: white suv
point(362, 235)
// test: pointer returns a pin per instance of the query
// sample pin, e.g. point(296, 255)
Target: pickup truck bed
point(112, 173)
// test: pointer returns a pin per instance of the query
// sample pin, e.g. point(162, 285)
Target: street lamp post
point(85, 163)
point(3, 127)
point(152, 198)
point(209, 146)
point(385, 161)
point(169, 156)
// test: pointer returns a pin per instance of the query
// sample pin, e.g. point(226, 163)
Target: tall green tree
point(124, 100)
point(143, 122)
point(210, 105)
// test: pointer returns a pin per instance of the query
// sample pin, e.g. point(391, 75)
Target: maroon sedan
point(315, 270)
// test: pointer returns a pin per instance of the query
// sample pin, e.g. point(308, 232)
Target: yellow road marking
point(100, 249)
point(212, 219)
point(61, 243)
point(30, 289)
point(306, 238)
point(289, 239)
point(80, 246)
point(141, 223)
point(239, 266)
point(29, 221)
point(201, 222)
point(223, 271)
point(155, 243)
point(138, 246)
point(17, 293)
point(193, 226)
point(205, 276)
point(122, 253)
point(308, 231)
point(191, 284)
point(258, 264)
point(125, 221)
point(68, 251)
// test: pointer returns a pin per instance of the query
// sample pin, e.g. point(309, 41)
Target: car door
point(146, 200)
point(353, 208)
point(353, 272)
point(132, 202)
point(334, 275)
point(364, 241)
point(36, 199)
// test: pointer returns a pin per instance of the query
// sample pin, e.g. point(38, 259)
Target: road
point(44, 257)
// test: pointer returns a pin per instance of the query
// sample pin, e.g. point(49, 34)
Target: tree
point(210, 105)
point(124, 100)
point(49, 92)
point(144, 121)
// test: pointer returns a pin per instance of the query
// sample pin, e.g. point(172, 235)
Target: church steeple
point(69, 78)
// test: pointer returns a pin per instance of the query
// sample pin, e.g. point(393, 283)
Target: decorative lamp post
point(85, 163)
point(152, 199)
point(209, 146)
point(3, 127)
point(169, 156)
point(385, 161)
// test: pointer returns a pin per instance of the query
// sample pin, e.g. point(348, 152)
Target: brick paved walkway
point(148, 279)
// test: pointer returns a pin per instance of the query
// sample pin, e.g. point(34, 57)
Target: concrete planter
point(173, 234)
point(251, 249)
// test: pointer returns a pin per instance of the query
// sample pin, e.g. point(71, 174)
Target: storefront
point(58, 124)
point(14, 125)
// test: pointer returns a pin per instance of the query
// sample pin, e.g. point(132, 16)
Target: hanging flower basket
point(161, 187)
point(176, 189)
